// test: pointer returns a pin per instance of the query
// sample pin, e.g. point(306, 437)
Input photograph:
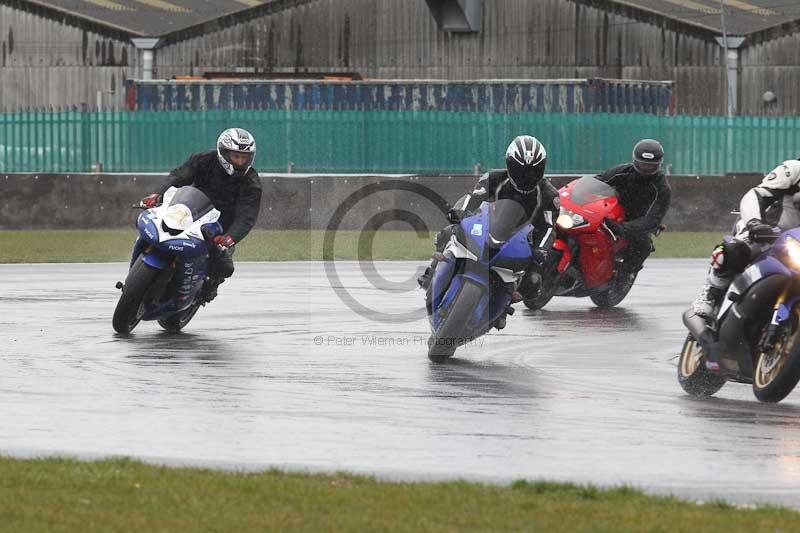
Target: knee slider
point(730, 257)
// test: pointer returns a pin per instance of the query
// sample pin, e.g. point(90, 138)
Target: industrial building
point(78, 53)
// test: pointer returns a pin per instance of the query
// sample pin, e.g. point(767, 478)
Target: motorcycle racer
point(770, 204)
point(226, 175)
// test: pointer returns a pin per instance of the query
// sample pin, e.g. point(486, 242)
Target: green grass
point(124, 495)
point(71, 246)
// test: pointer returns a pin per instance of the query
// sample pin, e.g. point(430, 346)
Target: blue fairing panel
point(147, 229)
point(157, 260)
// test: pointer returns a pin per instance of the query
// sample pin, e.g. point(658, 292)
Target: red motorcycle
point(590, 251)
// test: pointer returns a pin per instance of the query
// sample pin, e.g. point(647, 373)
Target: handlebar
point(766, 237)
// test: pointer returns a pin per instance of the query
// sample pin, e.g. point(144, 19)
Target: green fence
point(388, 141)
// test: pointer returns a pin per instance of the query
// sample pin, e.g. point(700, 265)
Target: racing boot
point(500, 323)
point(707, 301)
point(425, 279)
point(439, 243)
point(209, 290)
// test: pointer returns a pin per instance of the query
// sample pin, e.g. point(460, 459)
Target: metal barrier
point(427, 142)
point(32, 201)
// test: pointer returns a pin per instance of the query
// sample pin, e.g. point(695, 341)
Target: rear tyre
point(130, 306)
point(616, 293)
point(693, 375)
point(450, 335)
point(777, 373)
point(175, 323)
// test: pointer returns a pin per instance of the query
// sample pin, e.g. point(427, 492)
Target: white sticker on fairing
point(477, 229)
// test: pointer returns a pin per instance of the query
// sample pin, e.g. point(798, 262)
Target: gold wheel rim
point(763, 375)
point(691, 357)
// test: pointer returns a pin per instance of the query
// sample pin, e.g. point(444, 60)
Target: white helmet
point(236, 140)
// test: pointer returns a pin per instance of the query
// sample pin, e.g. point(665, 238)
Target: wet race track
point(278, 371)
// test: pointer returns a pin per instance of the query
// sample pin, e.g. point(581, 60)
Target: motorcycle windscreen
point(588, 190)
point(195, 199)
point(505, 218)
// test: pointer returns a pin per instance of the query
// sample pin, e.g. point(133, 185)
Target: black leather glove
point(455, 216)
point(616, 228)
point(759, 230)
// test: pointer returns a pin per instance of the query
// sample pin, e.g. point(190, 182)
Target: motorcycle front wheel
point(616, 293)
point(130, 306)
point(538, 297)
point(778, 371)
point(450, 335)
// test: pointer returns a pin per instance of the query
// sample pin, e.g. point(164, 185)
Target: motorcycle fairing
point(188, 278)
point(508, 258)
point(736, 333)
point(182, 253)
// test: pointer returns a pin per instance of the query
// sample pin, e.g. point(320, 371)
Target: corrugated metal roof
point(742, 17)
point(156, 18)
point(149, 18)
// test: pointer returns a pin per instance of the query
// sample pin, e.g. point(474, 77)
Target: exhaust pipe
point(698, 327)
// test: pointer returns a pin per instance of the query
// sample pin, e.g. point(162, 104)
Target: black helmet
point(525, 161)
point(647, 156)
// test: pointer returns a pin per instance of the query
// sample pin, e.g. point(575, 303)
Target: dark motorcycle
point(755, 337)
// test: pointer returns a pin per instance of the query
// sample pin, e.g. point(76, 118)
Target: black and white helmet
point(236, 140)
point(647, 156)
point(526, 159)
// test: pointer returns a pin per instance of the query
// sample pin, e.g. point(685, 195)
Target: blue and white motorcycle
point(476, 276)
point(755, 337)
point(169, 263)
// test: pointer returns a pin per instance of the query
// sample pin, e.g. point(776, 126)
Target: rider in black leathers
point(645, 195)
point(227, 177)
point(523, 181)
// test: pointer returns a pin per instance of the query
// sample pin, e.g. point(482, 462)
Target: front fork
point(781, 313)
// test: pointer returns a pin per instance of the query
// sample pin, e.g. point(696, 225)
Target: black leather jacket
point(541, 204)
point(237, 199)
point(645, 198)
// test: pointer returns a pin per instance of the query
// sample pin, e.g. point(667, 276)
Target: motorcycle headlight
point(567, 219)
point(793, 251)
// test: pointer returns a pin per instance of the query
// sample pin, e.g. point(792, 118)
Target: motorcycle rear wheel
point(777, 373)
point(130, 306)
point(175, 323)
point(693, 375)
point(450, 335)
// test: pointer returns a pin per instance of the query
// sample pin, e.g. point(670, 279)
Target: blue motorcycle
point(169, 263)
point(476, 276)
point(755, 337)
